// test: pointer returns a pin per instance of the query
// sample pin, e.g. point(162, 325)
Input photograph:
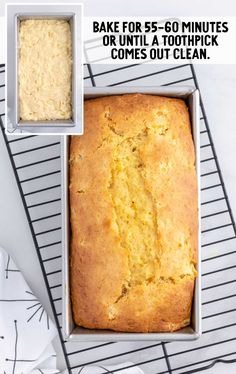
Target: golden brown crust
point(133, 199)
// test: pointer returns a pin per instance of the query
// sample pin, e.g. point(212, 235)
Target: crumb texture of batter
point(133, 204)
point(45, 70)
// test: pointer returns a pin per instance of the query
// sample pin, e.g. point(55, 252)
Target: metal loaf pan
point(16, 13)
point(70, 330)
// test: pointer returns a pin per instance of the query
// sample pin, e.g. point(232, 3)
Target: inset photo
point(44, 87)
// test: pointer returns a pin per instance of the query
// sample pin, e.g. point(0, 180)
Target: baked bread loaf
point(133, 203)
point(45, 69)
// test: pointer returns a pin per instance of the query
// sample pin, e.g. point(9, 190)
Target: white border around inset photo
point(14, 13)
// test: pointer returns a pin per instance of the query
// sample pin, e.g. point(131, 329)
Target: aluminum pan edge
point(75, 333)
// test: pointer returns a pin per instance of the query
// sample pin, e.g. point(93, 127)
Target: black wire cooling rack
point(36, 164)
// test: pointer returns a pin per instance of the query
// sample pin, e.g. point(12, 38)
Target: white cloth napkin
point(124, 368)
point(26, 331)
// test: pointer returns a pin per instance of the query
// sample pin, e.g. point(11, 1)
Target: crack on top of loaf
point(130, 140)
point(112, 124)
point(159, 129)
point(80, 190)
point(163, 130)
point(126, 286)
point(124, 291)
point(142, 134)
point(125, 160)
point(75, 157)
point(115, 131)
point(161, 125)
point(174, 280)
point(107, 114)
point(102, 142)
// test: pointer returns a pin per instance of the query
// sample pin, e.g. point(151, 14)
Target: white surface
point(2, 40)
point(146, 8)
point(15, 234)
point(217, 84)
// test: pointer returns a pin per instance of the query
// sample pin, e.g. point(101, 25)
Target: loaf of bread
point(45, 70)
point(133, 204)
